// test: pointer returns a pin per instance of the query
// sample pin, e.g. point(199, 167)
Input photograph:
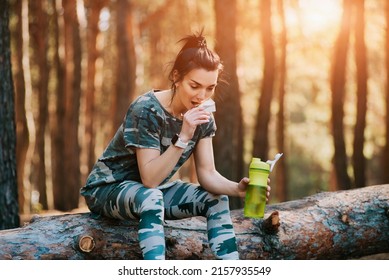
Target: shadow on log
point(328, 225)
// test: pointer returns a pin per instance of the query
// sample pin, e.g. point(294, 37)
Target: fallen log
point(328, 225)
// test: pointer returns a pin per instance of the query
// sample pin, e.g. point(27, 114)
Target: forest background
point(306, 77)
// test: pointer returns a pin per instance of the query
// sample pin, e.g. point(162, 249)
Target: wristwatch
point(176, 141)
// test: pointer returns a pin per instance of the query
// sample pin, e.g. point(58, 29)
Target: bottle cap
point(256, 163)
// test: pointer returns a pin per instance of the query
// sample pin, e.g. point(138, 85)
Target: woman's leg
point(185, 200)
point(131, 200)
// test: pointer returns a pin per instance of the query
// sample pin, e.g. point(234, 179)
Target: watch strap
point(176, 141)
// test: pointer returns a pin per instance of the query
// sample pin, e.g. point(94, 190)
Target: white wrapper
point(209, 106)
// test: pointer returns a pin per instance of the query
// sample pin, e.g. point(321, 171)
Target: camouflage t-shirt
point(146, 125)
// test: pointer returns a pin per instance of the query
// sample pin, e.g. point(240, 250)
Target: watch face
point(174, 139)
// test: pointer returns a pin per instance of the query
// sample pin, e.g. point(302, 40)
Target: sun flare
point(314, 16)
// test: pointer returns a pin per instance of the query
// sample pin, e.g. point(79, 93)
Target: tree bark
point(9, 217)
point(329, 225)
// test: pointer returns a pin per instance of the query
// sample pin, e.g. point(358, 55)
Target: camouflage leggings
point(131, 200)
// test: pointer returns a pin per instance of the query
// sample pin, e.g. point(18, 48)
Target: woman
point(159, 133)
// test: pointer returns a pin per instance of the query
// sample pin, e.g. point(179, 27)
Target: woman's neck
point(170, 102)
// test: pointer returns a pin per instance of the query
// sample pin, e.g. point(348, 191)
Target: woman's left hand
point(242, 186)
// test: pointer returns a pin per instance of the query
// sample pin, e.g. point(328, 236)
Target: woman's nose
point(201, 96)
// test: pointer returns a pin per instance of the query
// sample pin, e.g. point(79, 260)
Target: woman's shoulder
point(146, 100)
point(146, 105)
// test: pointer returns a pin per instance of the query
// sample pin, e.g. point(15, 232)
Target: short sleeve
point(209, 129)
point(142, 126)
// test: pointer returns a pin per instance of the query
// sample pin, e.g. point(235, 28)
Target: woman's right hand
point(191, 119)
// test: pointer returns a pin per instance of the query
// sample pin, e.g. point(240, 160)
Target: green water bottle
point(255, 201)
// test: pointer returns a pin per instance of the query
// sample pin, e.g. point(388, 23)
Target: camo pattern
point(146, 125)
point(131, 200)
point(114, 187)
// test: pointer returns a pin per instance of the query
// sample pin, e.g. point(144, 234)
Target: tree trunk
point(57, 115)
point(329, 225)
point(66, 195)
point(281, 190)
point(261, 141)
point(38, 38)
point(228, 142)
point(359, 160)
point(338, 81)
point(22, 133)
point(9, 216)
point(125, 72)
point(385, 165)
point(93, 14)
point(157, 43)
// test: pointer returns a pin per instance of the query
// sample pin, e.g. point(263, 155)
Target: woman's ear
point(176, 77)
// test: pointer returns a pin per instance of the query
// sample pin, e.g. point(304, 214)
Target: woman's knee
point(217, 203)
point(219, 199)
point(149, 199)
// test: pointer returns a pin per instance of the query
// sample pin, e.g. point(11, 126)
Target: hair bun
point(196, 41)
point(202, 43)
point(193, 55)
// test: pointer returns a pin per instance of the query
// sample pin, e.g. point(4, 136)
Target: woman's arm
point(209, 178)
point(155, 167)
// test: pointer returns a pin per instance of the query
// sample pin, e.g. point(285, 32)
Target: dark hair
point(194, 54)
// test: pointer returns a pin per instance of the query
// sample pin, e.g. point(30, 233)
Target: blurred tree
point(22, 133)
point(261, 138)
point(125, 72)
point(385, 164)
point(281, 189)
point(338, 80)
point(38, 22)
point(228, 142)
point(359, 160)
point(9, 214)
point(66, 195)
point(57, 116)
point(93, 9)
point(158, 42)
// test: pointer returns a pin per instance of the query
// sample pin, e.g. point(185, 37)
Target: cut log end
point(86, 243)
point(272, 223)
point(345, 218)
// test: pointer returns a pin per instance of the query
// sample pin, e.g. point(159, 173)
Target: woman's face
point(196, 87)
